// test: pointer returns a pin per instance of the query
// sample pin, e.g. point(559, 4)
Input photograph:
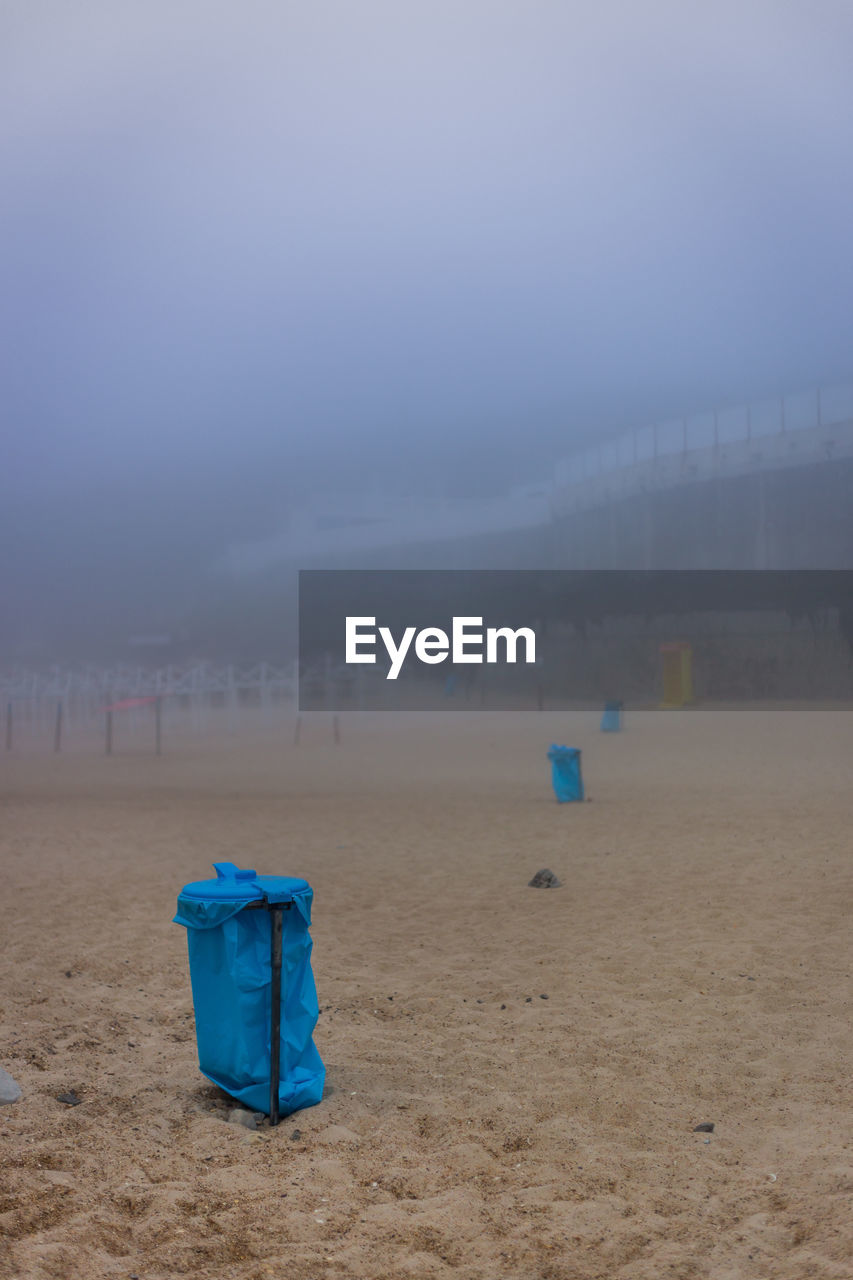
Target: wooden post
point(8, 726)
point(232, 699)
point(276, 939)
point(157, 726)
point(57, 728)
point(108, 742)
point(329, 693)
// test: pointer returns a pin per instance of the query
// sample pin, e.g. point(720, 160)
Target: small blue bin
point(253, 989)
point(566, 776)
point(611, 721)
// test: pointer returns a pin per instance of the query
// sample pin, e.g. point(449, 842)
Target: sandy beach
point(514, 1075)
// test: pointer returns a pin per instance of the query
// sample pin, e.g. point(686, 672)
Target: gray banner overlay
point(454, 640)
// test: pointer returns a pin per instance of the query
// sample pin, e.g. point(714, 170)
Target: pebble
point(337, 1133)
point(704, 1128)
point(70, 1098)
point(544, 879)
point(239, 1115)
point(10, 1090)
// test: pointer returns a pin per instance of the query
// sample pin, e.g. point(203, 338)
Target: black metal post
point(276, 929)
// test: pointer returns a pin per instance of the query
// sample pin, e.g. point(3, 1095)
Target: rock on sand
point(544, 879)
point(10, 1090)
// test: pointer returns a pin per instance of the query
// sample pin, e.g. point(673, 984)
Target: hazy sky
point(251, 249)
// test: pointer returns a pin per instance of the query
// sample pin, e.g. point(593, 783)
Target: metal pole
point(108, 745)
point(8, 726)
point(57, 729)
point(276, 924)
point(157, 726)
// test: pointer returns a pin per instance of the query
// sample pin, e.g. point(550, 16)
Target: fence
point(802, 411)
point(57, 704)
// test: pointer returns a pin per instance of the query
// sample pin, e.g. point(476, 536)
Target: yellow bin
point(677, 658)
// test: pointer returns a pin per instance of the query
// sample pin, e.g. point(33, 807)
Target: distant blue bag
point(228, 936)
point(611, 721)
point(566, 777)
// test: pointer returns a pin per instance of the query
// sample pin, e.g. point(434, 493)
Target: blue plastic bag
point(228, 936)
point(611, 721)
point(566, 777)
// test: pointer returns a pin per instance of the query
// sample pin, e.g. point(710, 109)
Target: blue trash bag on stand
point(566, 777)
point(229, 933)
point(611, 721)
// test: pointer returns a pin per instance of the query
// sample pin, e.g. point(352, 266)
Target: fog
point(257, 258)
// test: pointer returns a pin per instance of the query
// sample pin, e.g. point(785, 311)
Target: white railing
point(105, 684)
point(67, 708)
point(802, 411)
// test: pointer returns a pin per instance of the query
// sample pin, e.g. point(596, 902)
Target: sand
point(696, 963)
